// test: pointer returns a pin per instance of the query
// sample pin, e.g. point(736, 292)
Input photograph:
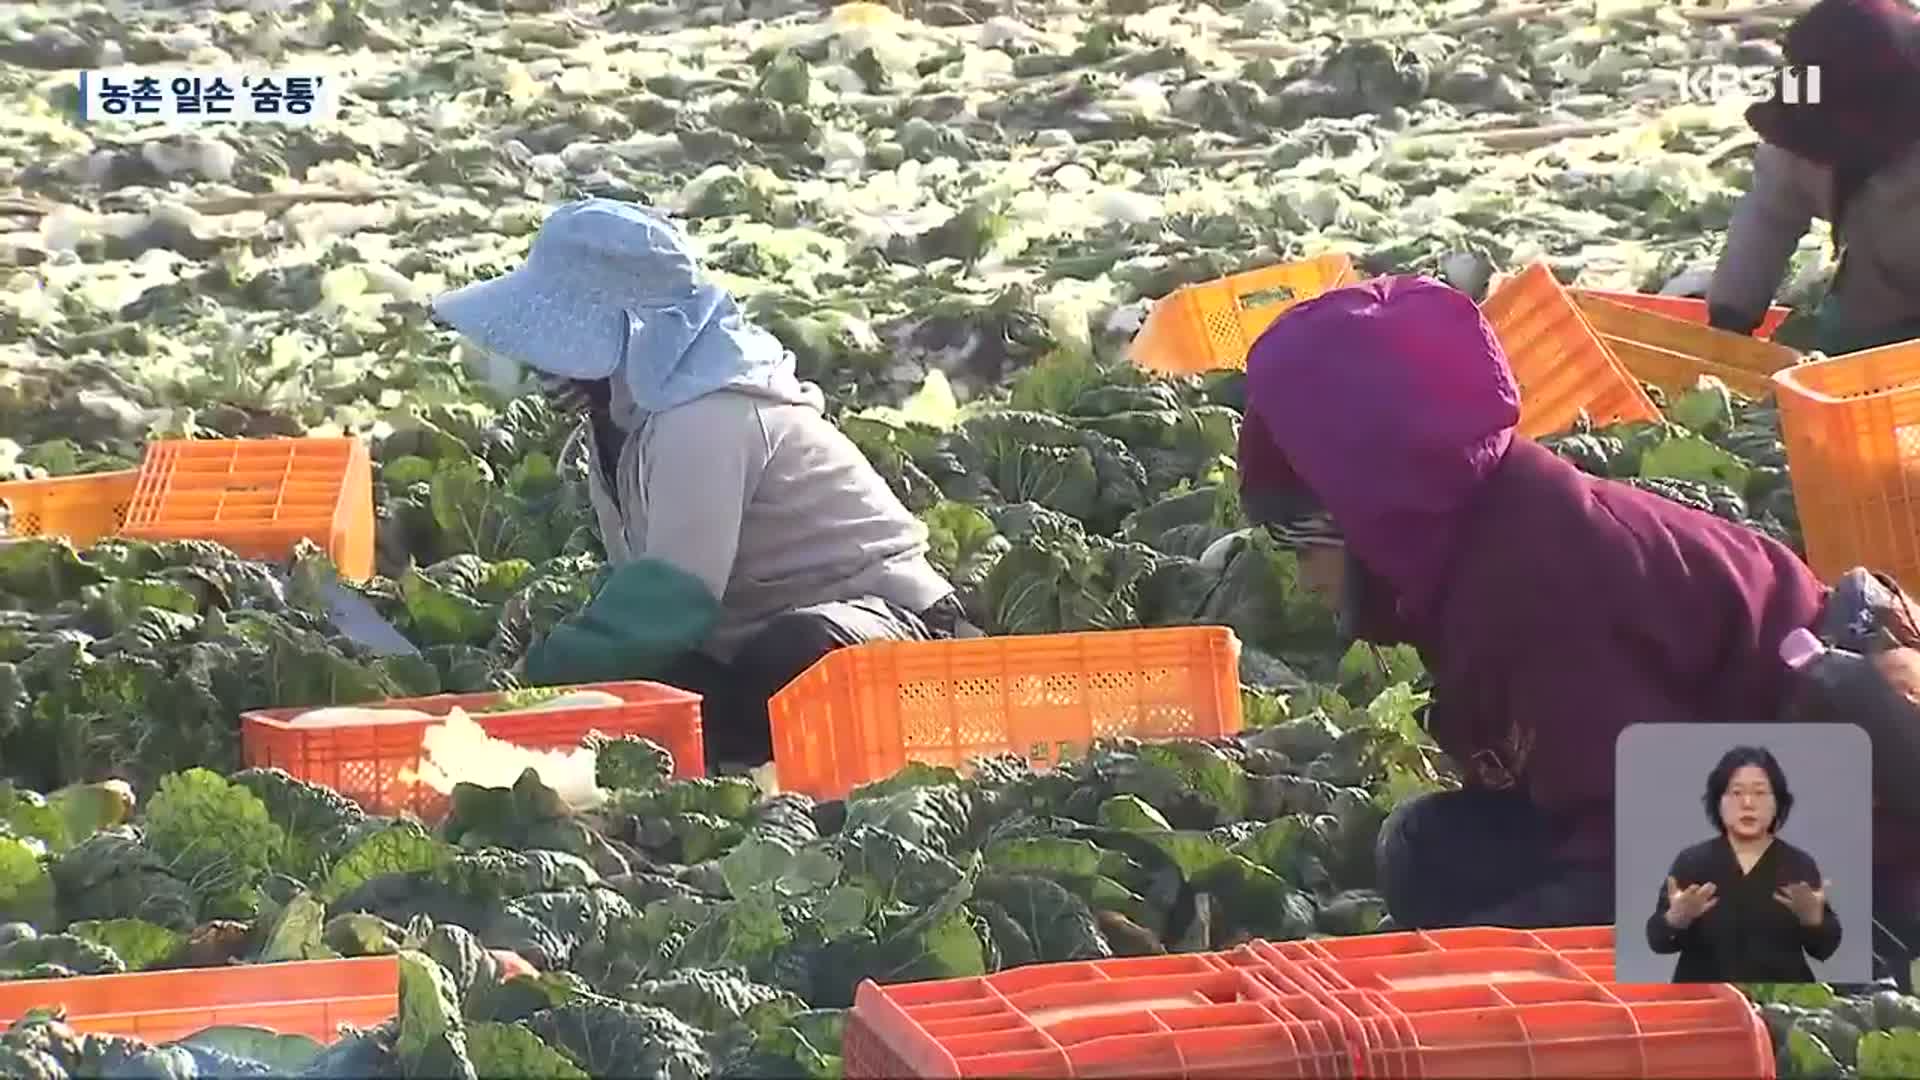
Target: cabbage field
point(955, 213)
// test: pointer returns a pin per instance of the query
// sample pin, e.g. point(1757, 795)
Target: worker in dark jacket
point(1851, 158)
point(1551, 608)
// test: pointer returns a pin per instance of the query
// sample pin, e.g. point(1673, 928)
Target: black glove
point(1733, 322)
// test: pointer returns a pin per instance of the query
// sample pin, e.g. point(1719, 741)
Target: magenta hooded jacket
point(1551, 608)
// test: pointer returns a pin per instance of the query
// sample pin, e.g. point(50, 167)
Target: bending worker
point(748, 536)
point(1551, 608)
point(1852, 158)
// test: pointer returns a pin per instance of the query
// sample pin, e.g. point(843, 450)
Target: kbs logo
point(1728, 82)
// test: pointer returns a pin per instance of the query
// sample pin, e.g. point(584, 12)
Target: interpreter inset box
point(1743, 853)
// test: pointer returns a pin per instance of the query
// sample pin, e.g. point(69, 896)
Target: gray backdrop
point(1661, 773)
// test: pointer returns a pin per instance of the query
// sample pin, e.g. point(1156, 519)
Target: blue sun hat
point(610, 288)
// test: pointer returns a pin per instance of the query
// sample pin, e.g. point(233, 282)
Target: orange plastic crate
point(1588, 949)
point(1674, 353)
point(260, 497)
point(1852, 431)
point(1210, 326)
point(84, 509)
point(862, 713)
point(1191, 1015)
point(1566, 1029)
point(1487, 1002)
point(1690, 308)
point(308, 997)
point(1561, 365)
point(1478, 1002)
point(371, 763)
point(1392, 963)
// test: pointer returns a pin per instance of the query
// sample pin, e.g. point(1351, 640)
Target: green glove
point(646, 615)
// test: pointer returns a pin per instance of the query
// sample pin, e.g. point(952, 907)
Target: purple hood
point(1390, 401)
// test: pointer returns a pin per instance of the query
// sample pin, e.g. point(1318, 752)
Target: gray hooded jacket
point(761, 497)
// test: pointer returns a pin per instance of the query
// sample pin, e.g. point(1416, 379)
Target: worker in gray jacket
point(709, 455)
point(1851, 158)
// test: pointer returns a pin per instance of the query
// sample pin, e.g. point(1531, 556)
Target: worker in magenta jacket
point(1551, 608)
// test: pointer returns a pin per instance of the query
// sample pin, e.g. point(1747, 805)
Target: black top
point(1749, 936)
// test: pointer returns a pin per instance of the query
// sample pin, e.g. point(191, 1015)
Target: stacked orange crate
point(1487, 1002)
point(1164, 1016)
point(1459, 1003)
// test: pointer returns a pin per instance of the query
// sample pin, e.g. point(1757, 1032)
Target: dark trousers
point(1484, 858)
point(733, 711)
point(1896, 931)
